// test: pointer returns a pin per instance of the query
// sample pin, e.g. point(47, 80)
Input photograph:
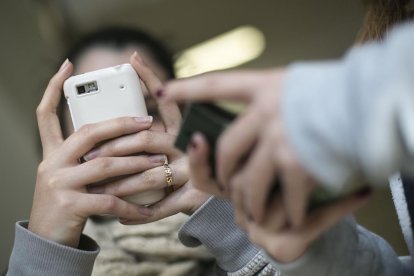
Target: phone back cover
point(119, 95)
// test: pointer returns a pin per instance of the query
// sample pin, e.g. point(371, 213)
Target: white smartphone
point(106, 94)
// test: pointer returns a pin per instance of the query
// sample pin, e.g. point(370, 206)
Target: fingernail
point(157, 158)
point(193, 142)
point(145, 211)
point(64, 65)
point(144, 119)
point(193, 145)
point(364, 192)
point(160, 93)
point(92, 154)
point(137, 57)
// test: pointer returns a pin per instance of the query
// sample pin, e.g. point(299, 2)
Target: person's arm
point(352, 118)
point(33, 255)
point(213, 226)
point(52, 242)
point(346, 249)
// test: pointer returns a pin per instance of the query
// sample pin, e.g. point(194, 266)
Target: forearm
point(213, 226)
point(350, 120)
point(33, 255)
point(346, 249)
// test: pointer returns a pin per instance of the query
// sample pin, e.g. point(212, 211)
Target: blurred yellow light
point(227, 50)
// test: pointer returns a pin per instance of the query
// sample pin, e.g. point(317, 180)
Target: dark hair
point(381, 15)
point(120, 37)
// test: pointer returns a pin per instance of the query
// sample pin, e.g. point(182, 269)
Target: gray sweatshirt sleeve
point(346, 249)
point(213, 226)
point(352, 119)
point(33, 255)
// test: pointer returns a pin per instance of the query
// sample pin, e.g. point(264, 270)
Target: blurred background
point(204, 34)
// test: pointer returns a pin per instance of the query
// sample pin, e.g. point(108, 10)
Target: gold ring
point(169, 176)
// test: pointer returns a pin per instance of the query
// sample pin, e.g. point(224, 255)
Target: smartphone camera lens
point(81, 90)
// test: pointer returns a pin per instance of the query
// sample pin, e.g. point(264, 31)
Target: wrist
point(198, 199)
point(61, 233)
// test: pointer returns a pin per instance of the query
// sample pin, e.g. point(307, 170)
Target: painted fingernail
point(193, 142)
point(160, 93)
point(64, 65)
point(364, 192)
point(145, 211)
point(143, 119)
point(92, 154)
point(157, 158)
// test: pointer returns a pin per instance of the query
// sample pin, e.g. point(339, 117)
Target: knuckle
point(124, 122)
point(148, 179)
point(55, 181)
point(212, 81)
point(145, 137)
point(104, 164)
point(110, 203)
point(86, 129)
point(277, 248)
point(64, 202)
point(43, 168)
point(40, 111)
point(109, 148)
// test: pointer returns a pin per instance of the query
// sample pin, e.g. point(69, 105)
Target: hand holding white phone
point(106, 94)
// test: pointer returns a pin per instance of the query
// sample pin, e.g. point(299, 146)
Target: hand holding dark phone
point(211, 121)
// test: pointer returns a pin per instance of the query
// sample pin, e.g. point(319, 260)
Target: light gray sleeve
point(35, 256)
point(352, 119)
point(213, 226)
point(346, 249)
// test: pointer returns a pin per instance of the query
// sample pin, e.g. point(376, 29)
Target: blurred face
point(99, 57)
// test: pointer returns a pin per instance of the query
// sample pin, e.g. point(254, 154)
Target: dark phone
point(208, 119)
point(211, 121)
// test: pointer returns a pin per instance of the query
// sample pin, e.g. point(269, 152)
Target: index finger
point(47, 118)
point(233, 85)
point(169, 112)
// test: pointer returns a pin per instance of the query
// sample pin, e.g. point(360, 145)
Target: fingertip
point(160, 93)
point(198, 143)
point(136, 64)
point(169, 92)
point(136, 57)
point(66, 67)
point(146, 211)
